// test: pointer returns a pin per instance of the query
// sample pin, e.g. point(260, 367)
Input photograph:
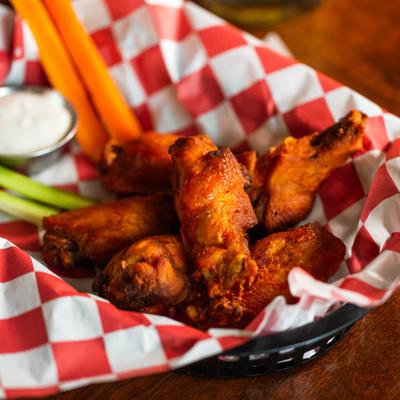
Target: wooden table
point(358, 43)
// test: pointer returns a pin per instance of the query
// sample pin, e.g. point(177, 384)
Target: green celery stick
point(24, 209)
point(37, 191)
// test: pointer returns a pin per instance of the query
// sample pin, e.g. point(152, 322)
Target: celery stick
point(24, 209)
point(37, 191)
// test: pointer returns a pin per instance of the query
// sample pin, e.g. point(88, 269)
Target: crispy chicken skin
point(286, 178)
point(214, 212)
point(92, 235)
point(311, 247)
point(139, 167)
point(150, 276)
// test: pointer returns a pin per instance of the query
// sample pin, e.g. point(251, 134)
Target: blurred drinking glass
point(257, 13)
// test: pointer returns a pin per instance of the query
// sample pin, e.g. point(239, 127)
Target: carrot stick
point(62, 74)
point(108, 100)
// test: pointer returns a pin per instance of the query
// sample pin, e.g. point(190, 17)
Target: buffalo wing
point(92, 235)
point(150, 276)
point(139, 167)
point(286, 178)
point(214, 212)
point(311, 247)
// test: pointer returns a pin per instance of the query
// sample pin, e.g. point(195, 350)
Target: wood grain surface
point(358, 43)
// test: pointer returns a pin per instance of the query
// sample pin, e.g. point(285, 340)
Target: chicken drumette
point(214, 212)
point(149, 276)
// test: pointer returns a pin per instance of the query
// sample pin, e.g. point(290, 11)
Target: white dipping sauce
point(31, 121)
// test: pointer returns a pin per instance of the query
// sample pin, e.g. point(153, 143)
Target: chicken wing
point(150, 276)
point(286, 178)
point(92, 235)
point(214, 212)
point(139, 167)
point(311, 247)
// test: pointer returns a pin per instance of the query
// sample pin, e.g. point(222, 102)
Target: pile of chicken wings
point(203, 235)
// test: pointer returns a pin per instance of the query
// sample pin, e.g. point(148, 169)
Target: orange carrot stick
point(111, 106)
point(62, 74)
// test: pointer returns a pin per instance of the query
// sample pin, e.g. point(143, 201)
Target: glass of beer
point(257, 13)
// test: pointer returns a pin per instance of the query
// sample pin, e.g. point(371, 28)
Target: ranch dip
point(31, 121)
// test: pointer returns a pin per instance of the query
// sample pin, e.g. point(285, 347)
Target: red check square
point(253, 106)
point(363, 252)
point(51, 287)
point(327, 83)
point(393, 243)
point(177, 340)
point(375, 134)
point(218, 39)
point(105, 43)
point(119, 9)
point(341, 190)
point(199, 92)
point(382, 187)
point(31, 392)
point(394, 150)
point(191, 130)
point(85, 168)
point(302, 119)
point(23, 332)
point(171, 22)
point(4, 65)
point(272, 61)
point(34, 74)
point(151, 69)
point(21, 233)
point(18, 40)
point(69, 356)
point(113, 319)
point(14, 263)
point(143, 114)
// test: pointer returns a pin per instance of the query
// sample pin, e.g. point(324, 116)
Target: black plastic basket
point(282, 351)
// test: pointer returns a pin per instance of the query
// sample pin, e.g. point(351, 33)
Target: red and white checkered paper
point(185, 70)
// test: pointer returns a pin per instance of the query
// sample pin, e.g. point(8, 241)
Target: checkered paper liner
point(184, 70)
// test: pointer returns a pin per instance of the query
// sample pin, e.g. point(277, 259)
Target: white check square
point(134, 348)
point(222, 125)
point(237, 69)
point(343, 100)
point(72, 318)
point(366, 166)
point(294, 85)
point(380, 222)
point(269, 134)
point(30, 368)
point(184, 57)
point(18, 296)
point(128, 83)
point(345, 225)
point(135, 33)
point(168, 113)
point(392, 125)
point(93, 20)
point(200, 18)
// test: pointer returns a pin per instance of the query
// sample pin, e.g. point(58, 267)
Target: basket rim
point(304, 335)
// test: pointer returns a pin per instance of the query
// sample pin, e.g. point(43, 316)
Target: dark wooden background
point(358, 43)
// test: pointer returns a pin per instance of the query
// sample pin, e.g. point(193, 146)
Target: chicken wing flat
point(150, 276)
point(92, 235)
point(287, 177)
point(311, 247)
point(139, 167)
point(214, 212)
